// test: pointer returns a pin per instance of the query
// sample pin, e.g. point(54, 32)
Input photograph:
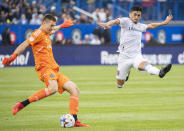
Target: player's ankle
point(75, 117)
point(25, 103)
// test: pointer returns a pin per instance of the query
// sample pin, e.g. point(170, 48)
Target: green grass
point(147, 103)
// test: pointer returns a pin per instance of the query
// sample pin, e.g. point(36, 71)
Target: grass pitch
point(146, 103)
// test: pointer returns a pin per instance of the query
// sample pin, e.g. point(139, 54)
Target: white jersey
point(130, 37)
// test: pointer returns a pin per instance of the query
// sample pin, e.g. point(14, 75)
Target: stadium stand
point(87, 12)
point(13, 11)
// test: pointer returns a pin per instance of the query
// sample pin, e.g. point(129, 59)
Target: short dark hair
point(49, 17)
point(136, 8)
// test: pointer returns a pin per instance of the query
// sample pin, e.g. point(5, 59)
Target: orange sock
point(74, 104)
point(39, 95)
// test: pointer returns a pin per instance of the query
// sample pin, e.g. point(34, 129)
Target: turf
point(146, 103)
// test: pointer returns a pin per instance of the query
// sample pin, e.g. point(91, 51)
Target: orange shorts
point(47, 74)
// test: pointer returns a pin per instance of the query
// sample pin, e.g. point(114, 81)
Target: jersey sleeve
point(35, 37)
point(123, 21)
point(143, 27)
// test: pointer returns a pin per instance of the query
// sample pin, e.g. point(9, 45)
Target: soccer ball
point(67, 121)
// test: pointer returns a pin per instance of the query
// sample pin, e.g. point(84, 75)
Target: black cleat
point(127, 76)
point(164, 70)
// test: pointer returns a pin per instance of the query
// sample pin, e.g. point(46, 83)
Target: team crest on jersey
point(52, 75)
point(31, 39)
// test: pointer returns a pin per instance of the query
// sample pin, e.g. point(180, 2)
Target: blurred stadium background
point(20, 17)
point(148, 103)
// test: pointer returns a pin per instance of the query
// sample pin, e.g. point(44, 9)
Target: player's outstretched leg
point(52, 88)
point(72, 88)
point(165, 70)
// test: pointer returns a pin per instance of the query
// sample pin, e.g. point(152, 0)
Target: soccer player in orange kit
point(46, 67)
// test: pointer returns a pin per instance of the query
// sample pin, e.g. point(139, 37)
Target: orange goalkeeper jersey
point(42, 50)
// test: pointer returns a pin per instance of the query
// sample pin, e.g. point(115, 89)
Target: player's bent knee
point(78, 92)
point(53, 89)
point(75, 90)
point(72, 88)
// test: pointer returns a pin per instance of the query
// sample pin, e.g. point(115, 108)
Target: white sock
point(151, 69)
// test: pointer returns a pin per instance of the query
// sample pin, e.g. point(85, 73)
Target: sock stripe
point(39, 95)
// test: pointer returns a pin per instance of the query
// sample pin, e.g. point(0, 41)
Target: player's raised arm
point(18, 50)
point(65, 24)
point(155, 25)
point(109, 23)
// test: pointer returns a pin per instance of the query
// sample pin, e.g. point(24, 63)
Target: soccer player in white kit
point(130, 45)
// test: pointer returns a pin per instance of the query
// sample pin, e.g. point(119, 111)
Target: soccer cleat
point(164, 70)
point(127, 76)
point(17, 107)
point(79, 124)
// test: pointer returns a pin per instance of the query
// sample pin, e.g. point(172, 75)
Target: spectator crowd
point(24, 12)
point(21, 12)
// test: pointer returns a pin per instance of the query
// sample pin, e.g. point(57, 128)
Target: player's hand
point(7, 61)
point(168, 19)
point(104, 25)
point(67, 23)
